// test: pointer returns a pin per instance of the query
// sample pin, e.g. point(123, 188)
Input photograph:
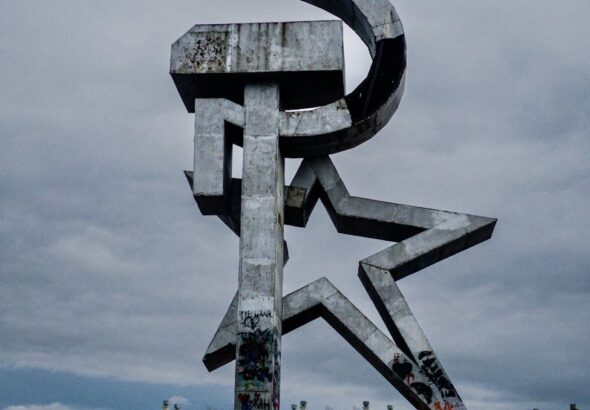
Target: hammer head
point(306, 59)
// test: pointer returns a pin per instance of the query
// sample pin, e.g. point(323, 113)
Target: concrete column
point(213, 154)
point(258, 341)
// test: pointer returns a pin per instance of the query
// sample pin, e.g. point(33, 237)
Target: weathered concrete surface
point(203, 60)
point(408, 336)
point(322, 299)
point(363, 113)
point(213, 154)
point(424, 236)
point(444, 233)
point(259, 311)
point(238, 73)
point(232, 219)
point(218, 60)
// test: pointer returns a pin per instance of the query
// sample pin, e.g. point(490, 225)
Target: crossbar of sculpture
point(232, 76)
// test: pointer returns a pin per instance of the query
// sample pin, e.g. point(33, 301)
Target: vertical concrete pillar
point(213, 155)
point(258, 341)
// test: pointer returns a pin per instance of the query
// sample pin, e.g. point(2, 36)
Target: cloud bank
point(107, 269)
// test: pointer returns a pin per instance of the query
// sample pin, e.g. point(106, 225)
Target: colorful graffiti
point(258, 361)
point(405, 371)
point(254, 401)
point(447, 406)
point(254, 360)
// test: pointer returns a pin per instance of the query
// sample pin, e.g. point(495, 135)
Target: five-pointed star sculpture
point(422, 238)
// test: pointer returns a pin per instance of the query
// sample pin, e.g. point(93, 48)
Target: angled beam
point(407, 333)
point(317, 177)
point(424, 236)
point(322, 299)
point(433, 245)
point(222, 349)
point(370, 218)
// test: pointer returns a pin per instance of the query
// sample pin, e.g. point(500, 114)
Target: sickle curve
point(360, 115)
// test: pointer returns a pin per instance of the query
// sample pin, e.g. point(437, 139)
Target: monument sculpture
point(256, 85)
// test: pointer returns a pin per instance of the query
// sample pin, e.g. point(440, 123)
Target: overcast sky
point(112, 284)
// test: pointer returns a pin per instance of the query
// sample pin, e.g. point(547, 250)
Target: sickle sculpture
point(354, 119)
point(238, 80)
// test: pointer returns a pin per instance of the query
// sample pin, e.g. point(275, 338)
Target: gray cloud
point(107, 269)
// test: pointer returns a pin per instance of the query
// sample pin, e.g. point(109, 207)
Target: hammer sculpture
point(253, 85)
